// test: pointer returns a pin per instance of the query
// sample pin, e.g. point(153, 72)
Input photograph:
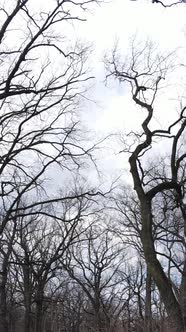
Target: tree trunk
point(39, 310)
point(27, 296)
point(97, 310)
point(156, 270)
point(3, 305)
point(148, 312)
point(4, 324)
point(183, 294)
point(98, 320)
point(28, 315)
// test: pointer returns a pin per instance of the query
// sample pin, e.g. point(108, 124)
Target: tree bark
point(27, 296)
point(183, 294)
point(28, 314)
point(97, 316)
point(163, 283)
point(148, 312)
point(3, 305)
point(39, 310)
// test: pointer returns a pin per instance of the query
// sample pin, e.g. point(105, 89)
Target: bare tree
point(43, 80)
point(95, 264)
point(39, 245)
point(144, 75)
point(41, 86)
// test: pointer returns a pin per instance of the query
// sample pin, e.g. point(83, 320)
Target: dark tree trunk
point(27, 296)
point(148, 312)
point(97, 310)
point(39, 310)
point(4, 323)
point(98, 320)
point(28, 315)
point(4, 327)
point(156, 270)
point(183, 294)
